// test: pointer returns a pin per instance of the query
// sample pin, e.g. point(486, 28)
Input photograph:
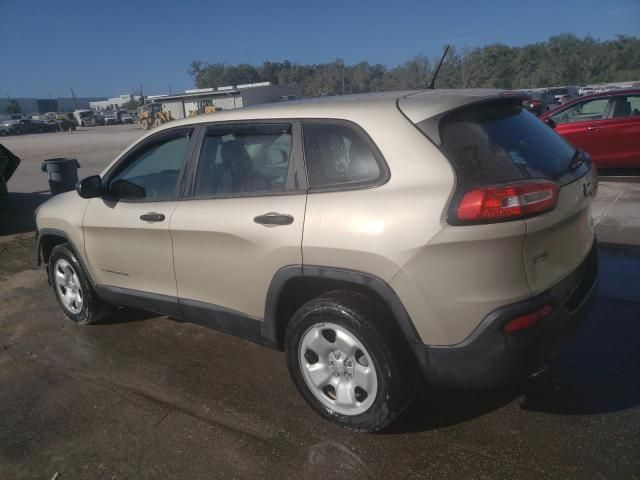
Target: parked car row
point(115, 117)
point(542, 100)
point(18, 124)
point(26, 125)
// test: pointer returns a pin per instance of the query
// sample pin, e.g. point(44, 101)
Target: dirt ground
point(140, 396)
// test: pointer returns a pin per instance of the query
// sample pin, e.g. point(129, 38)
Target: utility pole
point(73, 95)
point(169, 89)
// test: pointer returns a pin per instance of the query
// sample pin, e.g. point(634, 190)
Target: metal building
point(192, 102)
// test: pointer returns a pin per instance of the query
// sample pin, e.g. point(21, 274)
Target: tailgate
point(557, 242)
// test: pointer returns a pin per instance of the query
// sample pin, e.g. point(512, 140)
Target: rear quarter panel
point(377, 230)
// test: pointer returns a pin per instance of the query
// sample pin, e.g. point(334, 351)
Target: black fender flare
point(53, 232)
point(268, 327)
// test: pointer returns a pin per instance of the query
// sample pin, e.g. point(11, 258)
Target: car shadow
point(126, 315)
point(18, 215)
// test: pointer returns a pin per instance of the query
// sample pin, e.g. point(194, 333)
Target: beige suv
point(370, 237)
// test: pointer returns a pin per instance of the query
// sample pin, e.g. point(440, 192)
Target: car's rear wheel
point(73, 289)
point(347, 361)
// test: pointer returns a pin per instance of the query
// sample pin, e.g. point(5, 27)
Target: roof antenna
point(432, 85)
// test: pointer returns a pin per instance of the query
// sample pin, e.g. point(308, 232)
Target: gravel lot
point(142, 396)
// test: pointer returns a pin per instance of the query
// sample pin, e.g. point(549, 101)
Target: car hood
point(12, 164)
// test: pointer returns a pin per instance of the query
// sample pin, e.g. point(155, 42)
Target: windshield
point(86, 114)
point(499, 142)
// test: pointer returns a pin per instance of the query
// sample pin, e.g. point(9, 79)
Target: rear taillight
point(508, 202)
point(530, 320)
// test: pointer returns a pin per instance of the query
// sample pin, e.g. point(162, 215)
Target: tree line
point(561, 60)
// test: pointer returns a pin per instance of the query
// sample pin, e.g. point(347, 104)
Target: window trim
point(129, 155)
point(295, 171)
point(383, 177)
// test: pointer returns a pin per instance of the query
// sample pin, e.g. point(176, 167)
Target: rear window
point(500, 142)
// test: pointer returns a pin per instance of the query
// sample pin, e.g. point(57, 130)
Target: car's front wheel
point(347, 361)
point(73, 289)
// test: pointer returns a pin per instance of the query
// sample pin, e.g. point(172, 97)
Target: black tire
point(371, 325)
point(93, 309)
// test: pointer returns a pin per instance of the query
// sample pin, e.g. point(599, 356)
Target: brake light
point(530, 320)
point(495, 204)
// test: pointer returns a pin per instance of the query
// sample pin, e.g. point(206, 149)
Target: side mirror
point(127, 190)
point(90, 187)
point(550, 122)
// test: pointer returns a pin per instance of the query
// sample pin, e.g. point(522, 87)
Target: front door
point(127, 239)
point(243, 223)
point(583, 125)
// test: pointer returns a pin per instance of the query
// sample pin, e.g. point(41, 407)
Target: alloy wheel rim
point(68, 286)
point(338, 369)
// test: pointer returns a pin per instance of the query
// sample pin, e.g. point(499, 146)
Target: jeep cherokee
point(370, 237)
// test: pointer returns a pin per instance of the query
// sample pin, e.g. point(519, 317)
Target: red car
point(605, 125)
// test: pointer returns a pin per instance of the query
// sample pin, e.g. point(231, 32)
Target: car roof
point(415, 104)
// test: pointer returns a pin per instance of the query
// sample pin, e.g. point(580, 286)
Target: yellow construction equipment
point(151, 115)
point(203, 109)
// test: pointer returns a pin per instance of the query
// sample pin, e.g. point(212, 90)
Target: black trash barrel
point(63, 174)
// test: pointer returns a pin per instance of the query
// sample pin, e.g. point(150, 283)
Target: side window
point(582, 112)
point(336, 154)
point(635, 105)
point(156, 167)
point(237, 159)
point(626, 106)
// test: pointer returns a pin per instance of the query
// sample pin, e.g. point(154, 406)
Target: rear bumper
point(489, 357)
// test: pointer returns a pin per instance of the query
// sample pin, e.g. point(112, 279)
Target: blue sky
point(110, 47)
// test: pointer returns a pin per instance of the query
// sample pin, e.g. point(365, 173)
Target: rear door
point(583, 125)
point(621, 133)
point(242, 223)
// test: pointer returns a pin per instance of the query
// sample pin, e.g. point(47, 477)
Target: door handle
point(274, 219)
point(593, 128)
point(152, 217)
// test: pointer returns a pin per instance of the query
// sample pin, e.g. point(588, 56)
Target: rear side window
point(626, 106)
point(337, 155)
point(244, 159)
point(499, 142)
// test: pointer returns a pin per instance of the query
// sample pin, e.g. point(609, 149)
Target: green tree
point(12, 107)
point(561, 60)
